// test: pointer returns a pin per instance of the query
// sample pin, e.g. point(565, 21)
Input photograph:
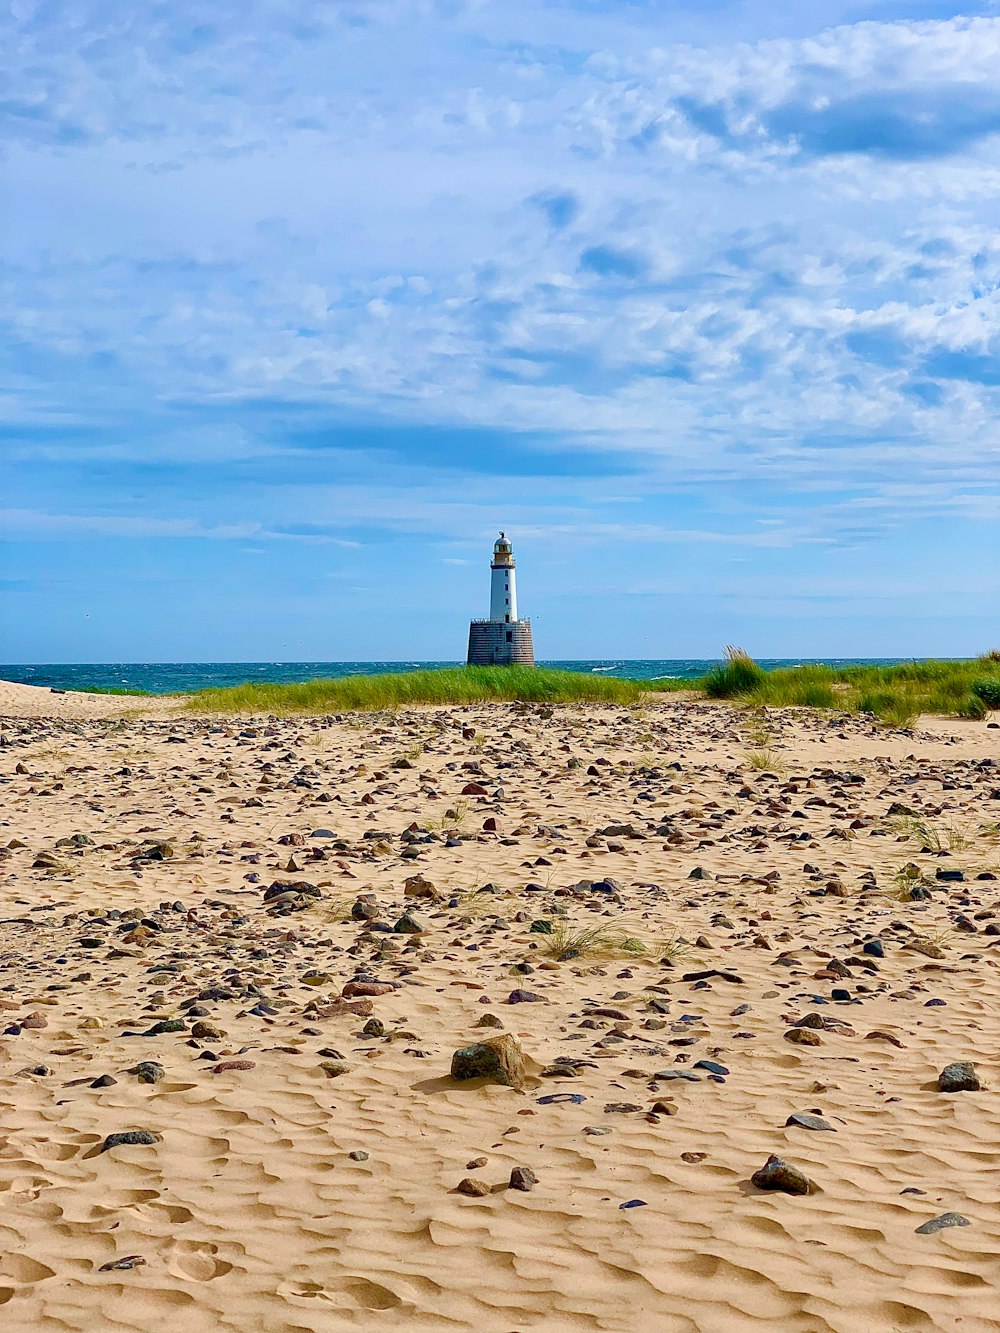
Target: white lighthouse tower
point(503, 640)
point(503, 585)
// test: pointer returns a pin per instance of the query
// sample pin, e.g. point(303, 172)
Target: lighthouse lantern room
point(503, 640)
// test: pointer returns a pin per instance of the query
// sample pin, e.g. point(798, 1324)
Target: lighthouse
point(503, 640)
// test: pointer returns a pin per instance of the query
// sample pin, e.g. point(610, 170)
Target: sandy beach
point(253, 946)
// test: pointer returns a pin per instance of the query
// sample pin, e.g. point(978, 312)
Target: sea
point(185, 677)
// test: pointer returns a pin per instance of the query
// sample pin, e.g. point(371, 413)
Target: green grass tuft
point(738, 675)
point(971, 705)
point(987, 688)
point(894, 708)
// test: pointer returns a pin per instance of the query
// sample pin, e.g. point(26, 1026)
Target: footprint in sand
point(22, 1268)
point(369, 1295)
point(358, 1291)
point(197, 1261)
point(176, 1214)
point(50, 1151)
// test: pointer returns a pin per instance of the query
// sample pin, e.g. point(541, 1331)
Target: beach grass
point(446, 685)
point(896, 695)
point(765, 759)
point(108, 689)
point(566, 942)
point(739, 674)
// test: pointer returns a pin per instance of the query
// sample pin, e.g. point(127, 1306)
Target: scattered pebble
point(959, 1077)
point(498, 1060)
point(806, 1120)
point(523, 1178)
point(777, 1174)
point(129, 1261)
point(131, 1138)
point(939, 1223)
point(475, 1189)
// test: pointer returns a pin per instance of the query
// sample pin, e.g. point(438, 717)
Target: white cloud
point(367, 245)
point(40, 524)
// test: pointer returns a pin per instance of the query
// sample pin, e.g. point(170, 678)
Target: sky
point(302, 303)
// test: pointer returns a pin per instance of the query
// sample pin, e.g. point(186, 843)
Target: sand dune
point(18, 700)
point(302, 1172)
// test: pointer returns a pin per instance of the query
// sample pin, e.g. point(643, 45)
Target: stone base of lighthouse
point(500, 643)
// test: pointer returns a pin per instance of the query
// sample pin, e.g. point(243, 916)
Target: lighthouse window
point(510, 636)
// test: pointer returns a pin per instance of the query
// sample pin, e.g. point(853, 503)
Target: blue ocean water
point(183, 677)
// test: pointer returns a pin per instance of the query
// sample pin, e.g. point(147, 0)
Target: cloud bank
point(628, 277)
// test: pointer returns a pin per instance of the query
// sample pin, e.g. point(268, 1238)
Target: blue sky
point(301, 303)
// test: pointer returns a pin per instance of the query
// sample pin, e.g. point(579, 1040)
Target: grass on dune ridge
point(446, 685)
point(110, 689)
point(894, 694)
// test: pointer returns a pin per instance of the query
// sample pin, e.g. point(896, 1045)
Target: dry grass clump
point(759, 734)
point(766, 760)
point(932, 945)
point(674, 947)
point(932, 837)
point(566, 942)
point(453, 820)
point(476, 902)
point(904, 880)
point(57, 755)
